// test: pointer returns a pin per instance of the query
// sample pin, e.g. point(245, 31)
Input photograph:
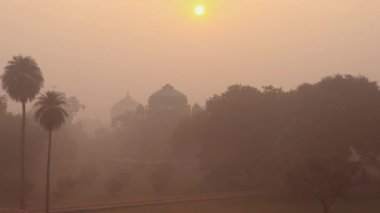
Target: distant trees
point(65, 185)
point(238, 134)
point(65, 160)
point(116, 182)
point(325, 179)
point(247, 136)
point(334, 115)
point(114, 185)
point(50, 115)
point(72, 107)
point(10, 162)
point(3, 105)
point(22, 80)
point(161, 177)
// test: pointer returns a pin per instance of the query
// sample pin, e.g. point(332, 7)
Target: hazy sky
point(97, 50)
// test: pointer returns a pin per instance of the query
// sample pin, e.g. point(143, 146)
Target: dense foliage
point(65, 160)
point(248, 136)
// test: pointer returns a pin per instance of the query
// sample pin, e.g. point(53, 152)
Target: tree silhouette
point(51, 116)
point(73, 107)
point(248, 136)
point(325, 179)
point(22, 80)
point(236, 133)
point(3, 105)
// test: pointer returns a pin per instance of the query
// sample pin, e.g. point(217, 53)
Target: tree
point(22, 80)
point(51, 115)
point(116, 182)
point(9, 161)
point(325, 179)
point(248, 136)
point(3, 105)
point(73, 107)
point(160, 178)
point(237, 134)
point(334, 116)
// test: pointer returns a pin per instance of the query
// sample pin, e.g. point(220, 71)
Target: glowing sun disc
point(199, 10)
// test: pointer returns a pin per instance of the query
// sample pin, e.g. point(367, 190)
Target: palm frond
point(22, 78)
point(50, 113)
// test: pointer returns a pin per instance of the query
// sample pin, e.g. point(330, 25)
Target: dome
point(167, 95)
point(127, 104)
point(196, 109)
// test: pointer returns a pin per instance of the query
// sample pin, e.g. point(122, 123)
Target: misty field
point(259, 205)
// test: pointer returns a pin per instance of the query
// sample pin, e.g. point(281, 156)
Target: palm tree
point(22, 80)
point(50, 115)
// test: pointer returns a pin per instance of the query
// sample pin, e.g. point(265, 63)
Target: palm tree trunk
point(22, 159)
point(48, 176)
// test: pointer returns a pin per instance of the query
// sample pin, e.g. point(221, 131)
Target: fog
point(98, 50)
point(190, 106)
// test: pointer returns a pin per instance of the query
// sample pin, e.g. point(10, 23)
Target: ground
point(261, 205)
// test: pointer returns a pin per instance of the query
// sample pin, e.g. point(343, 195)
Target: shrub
point(160, 178)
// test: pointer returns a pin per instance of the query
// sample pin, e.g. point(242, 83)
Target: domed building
point(150, 128)
point(125, 105)
point(196, 109)
point(168, 104)
point(145, 139)
point(165, 109)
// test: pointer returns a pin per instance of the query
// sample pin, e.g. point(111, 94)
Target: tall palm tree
point(22, 80)
point(51, 115)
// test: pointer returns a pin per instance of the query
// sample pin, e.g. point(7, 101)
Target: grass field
point(259, 205)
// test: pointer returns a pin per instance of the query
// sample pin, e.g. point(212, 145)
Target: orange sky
point(97, 50)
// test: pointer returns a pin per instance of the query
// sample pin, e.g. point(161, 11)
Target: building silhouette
point(154, 123)
point(125, 105)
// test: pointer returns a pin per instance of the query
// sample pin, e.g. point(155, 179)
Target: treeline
point(65, 160)
point(23, 137)
point(248, 137)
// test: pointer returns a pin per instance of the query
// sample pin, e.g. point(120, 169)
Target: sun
point(199, 10)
